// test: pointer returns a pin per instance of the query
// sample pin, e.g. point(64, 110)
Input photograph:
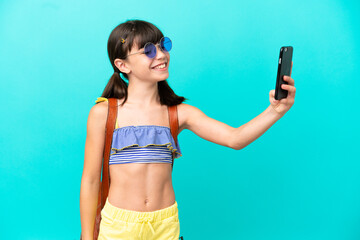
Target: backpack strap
point(105, 180)
point(109, 131)
point(174, 126)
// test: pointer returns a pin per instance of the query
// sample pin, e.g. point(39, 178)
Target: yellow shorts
point(117, 223)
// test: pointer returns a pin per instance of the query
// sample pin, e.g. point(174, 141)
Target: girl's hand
point(283, 105)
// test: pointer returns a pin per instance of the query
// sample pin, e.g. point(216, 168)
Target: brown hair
point(140, 32)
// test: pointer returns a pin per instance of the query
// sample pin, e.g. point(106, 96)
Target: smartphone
point(284, 67)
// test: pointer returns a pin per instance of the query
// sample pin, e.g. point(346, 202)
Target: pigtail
point(115, 88)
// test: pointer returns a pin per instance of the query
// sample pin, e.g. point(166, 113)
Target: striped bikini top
point(142, 144)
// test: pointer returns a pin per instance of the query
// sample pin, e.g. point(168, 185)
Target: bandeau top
point(142, 144)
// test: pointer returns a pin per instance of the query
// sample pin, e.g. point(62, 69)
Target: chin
point(166, 76)
point(162, 80)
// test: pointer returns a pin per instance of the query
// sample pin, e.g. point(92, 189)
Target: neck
point(143, 94)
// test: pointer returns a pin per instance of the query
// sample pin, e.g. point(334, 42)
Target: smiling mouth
point(161, 66)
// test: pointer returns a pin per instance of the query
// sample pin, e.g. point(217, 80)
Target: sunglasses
point(165, 45)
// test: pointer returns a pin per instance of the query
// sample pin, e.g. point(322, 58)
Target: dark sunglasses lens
point(150, 50)
point(166, 44)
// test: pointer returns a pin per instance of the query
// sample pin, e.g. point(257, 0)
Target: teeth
point(160, 67)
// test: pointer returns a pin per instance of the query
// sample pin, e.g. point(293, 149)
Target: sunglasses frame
point(149, 43)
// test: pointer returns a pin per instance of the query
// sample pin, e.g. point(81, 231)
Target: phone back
point(284, 68)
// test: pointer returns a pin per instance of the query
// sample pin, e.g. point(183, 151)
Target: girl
point(141, 201)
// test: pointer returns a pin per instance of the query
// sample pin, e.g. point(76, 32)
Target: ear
point(121, 65)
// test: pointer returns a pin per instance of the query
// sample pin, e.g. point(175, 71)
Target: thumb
point(272, 93)
point(272, 97)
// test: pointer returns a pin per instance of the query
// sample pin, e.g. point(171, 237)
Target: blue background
point(299, 180)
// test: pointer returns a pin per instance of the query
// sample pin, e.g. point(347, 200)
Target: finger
point(284, 100)
point(289, 88)
point(291, 67)
point(289, 80)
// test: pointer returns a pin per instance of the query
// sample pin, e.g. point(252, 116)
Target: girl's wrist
point(275, 112)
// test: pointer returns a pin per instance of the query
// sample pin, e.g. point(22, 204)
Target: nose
point(159, 52)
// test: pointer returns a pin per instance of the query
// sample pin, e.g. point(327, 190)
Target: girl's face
point(140, 66)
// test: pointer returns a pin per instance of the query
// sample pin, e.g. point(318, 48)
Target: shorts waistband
point(135, 216)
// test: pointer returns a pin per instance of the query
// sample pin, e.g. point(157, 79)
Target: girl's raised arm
point(225, 135)
point(238, 138)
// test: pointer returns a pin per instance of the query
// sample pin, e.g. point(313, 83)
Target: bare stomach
point(142, 187)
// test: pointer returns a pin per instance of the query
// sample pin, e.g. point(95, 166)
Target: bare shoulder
point(186, 113)
point(98, 114)
point(100, 108)
point(185, 108)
